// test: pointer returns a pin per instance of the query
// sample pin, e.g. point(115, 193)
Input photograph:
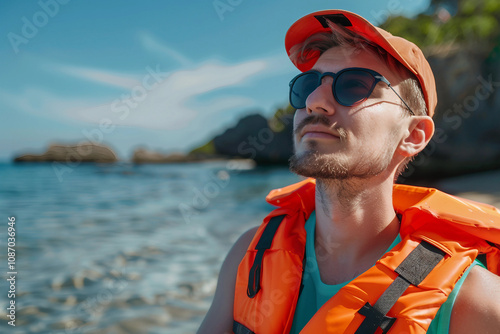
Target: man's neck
point(355, 224)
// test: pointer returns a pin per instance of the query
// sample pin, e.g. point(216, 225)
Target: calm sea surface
point(123, 248)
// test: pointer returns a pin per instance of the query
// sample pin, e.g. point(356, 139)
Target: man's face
point(337, 142)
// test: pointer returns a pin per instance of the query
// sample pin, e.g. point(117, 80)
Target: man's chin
point(318, 166)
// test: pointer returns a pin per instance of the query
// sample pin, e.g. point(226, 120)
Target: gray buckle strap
point(240, 329)
point(414, 268)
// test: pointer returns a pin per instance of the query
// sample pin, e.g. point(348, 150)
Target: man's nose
point(321, 100)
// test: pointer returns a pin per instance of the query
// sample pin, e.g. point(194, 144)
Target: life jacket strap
point(240, 329)
point(377, 320)
point(414, 268)
point(265, 241)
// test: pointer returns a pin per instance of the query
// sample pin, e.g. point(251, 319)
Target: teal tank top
point(315, 293)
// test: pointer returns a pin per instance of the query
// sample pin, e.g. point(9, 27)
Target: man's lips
point(318, 131)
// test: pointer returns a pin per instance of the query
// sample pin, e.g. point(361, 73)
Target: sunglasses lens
point(303, 85)
point(353, 87)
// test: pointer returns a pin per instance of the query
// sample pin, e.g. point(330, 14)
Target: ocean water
point(123, 248)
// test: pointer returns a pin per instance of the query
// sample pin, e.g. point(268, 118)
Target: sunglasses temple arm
point(407, 106)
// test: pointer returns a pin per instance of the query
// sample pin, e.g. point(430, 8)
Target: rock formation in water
point(142, 155)
point(145, 156)
point(83, 152)
point(253, 138)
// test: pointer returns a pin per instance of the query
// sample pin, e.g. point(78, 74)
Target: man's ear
point(420, 131)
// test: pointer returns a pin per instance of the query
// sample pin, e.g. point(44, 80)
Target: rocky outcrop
point(142, 155)
point(253, 138)
point(145, 156)
point(83, 152)
point(467, 116)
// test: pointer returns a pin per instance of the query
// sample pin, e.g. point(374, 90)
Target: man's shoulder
point(219, 318)
point(477, 307)
point(240, 247)
point(246, 238)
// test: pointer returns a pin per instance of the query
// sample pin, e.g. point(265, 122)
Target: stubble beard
point(329, 166)
point(334, 166)
point(335, 171)
point(312, 163)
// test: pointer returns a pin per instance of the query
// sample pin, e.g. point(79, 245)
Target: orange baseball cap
point(401, 49)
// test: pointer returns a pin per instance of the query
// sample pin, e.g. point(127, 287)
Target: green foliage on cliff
point(207, 149)
point(475, 21)
point(278, 122)
point(280, 118)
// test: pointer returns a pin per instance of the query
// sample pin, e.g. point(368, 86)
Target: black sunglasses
point(350, 86)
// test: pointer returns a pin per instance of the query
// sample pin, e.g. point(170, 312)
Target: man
point(347, 250)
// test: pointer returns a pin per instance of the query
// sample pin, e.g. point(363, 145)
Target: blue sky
point(165, 75)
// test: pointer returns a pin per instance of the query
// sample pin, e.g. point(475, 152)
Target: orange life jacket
point(269, 276)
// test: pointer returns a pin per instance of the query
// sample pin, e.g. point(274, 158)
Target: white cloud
point(172, 103)
point(169, 102)
point(100, 76)
point(152, 44)
point(191, 100)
